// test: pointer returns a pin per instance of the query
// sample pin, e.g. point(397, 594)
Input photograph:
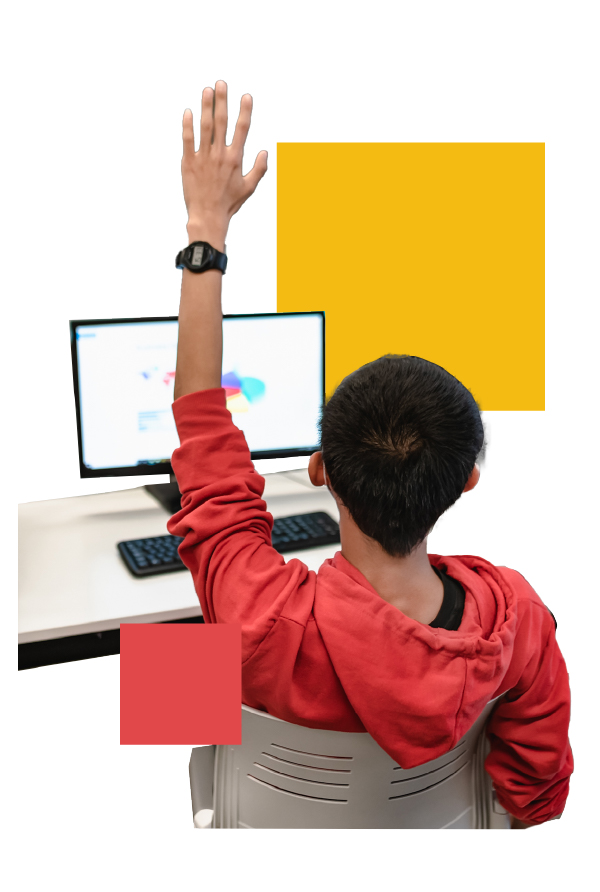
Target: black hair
point(400, 437)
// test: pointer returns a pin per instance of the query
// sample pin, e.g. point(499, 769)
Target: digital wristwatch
point(200, 256)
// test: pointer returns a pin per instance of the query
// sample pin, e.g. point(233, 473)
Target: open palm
point(214, 188)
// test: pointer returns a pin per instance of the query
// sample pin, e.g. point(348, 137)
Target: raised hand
point(213, 186)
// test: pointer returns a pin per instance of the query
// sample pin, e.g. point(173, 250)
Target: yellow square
point(430, 249)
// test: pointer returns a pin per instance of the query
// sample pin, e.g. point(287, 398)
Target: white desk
point(72, 580)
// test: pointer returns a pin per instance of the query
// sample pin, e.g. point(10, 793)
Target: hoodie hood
point(417, 690)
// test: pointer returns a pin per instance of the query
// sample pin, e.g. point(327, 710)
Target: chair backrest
point(288, 776)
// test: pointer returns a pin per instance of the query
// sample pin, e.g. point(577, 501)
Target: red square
point(181, 684)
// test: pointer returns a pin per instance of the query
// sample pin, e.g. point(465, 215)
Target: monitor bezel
point(165, 467)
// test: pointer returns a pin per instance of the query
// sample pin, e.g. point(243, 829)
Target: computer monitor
point(124, 373)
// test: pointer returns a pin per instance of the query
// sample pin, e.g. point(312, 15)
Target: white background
point(93, 216)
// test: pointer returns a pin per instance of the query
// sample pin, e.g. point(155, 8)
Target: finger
point(206, 121)
point(188, 134)
point(243, 124)
point(220, 107)
point(254, 176)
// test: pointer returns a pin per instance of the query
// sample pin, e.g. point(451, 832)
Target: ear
point(473, 479)
point(316, 469)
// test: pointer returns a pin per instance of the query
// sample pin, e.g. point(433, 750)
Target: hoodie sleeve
point(238, 575)
point(531, 761)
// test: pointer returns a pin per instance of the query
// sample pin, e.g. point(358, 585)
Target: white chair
point(288, 776)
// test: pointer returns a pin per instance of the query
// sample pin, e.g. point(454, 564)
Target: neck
point(408, 583)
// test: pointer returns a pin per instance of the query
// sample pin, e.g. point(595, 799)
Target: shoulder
point(525, 591)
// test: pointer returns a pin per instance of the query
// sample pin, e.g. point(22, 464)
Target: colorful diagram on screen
point(241, 392)
point(168, 377)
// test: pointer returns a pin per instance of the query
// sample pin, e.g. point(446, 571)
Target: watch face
point(197, 255)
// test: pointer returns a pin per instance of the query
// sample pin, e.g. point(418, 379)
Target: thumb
point(254, 176)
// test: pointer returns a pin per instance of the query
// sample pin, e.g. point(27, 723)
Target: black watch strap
point(199, 257)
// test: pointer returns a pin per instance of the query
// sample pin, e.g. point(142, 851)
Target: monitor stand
point(167, 494)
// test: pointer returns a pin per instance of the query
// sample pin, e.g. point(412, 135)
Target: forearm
point(200, 342)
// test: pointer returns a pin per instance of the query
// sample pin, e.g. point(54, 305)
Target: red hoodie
point(326, 651)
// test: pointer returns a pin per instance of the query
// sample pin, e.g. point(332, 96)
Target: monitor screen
point(124, 376)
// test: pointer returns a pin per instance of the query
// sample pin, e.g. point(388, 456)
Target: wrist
point(212, 231)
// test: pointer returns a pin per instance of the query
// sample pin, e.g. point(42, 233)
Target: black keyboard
point(304, 531)
point(147, 557)
point(158, 554)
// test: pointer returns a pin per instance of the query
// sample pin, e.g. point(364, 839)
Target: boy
point(385, 638)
